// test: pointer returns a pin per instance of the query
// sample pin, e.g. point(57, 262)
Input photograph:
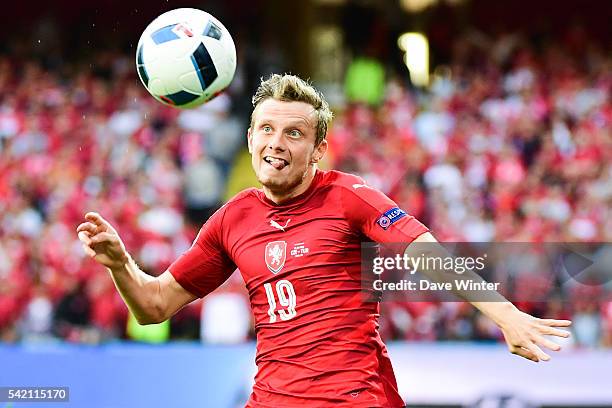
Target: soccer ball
point(185, 57)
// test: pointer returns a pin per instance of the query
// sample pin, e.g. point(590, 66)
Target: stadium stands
point(517, 149)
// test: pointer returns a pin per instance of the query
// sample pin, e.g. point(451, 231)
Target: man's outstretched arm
point(523, 333)
point(150, 299)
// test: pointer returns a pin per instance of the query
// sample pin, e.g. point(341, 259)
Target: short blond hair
point(291, 88)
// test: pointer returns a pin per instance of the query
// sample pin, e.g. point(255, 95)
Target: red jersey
point(317, 339)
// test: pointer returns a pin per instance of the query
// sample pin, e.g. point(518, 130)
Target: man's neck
point(279, 198)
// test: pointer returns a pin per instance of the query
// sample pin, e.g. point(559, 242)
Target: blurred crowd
point(507, 144)
point(73, 144)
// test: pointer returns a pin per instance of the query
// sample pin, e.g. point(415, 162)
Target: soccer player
point(297, 244)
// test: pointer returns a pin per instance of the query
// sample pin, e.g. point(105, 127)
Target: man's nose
point(276, 141)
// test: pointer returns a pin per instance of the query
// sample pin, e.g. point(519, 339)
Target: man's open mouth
point(276, 162)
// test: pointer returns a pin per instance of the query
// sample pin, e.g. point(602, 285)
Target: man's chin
point(278, 184)
point(275, 184)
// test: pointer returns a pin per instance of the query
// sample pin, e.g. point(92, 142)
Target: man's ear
point(319, 151)
point(250, 140)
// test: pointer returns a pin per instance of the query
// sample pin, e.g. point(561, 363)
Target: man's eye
point(295, 133)
point(267, 129)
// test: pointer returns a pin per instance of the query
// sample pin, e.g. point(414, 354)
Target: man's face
point(282, 144)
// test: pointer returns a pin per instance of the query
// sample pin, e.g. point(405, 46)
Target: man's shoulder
point(343, 180)
point(246, 194)
point(354, 192)
point(243, 199)
point(236, 207)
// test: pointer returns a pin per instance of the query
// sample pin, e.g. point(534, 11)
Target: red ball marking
point(167, 100)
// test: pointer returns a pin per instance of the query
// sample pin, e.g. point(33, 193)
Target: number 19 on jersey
point(286, 298)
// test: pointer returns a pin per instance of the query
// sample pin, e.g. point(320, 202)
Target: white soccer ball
point(185, 57)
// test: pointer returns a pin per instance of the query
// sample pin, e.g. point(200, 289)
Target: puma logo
point(356, 186)
point(278, 226)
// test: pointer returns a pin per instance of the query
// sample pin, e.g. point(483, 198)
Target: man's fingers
point(551, 345)
point(97, 219)
point(103, 237)
point(555, 322)
point(84, 237)
point(537, 351)
point(87, 226)
point(523, 352)
point(554, 332)
point(88, 251)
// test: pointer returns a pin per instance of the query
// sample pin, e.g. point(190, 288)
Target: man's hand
point(151, 300)
point(525, 334)
point(102, 242)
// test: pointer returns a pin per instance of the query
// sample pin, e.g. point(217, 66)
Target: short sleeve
point(378, 217)
point(205, 266)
